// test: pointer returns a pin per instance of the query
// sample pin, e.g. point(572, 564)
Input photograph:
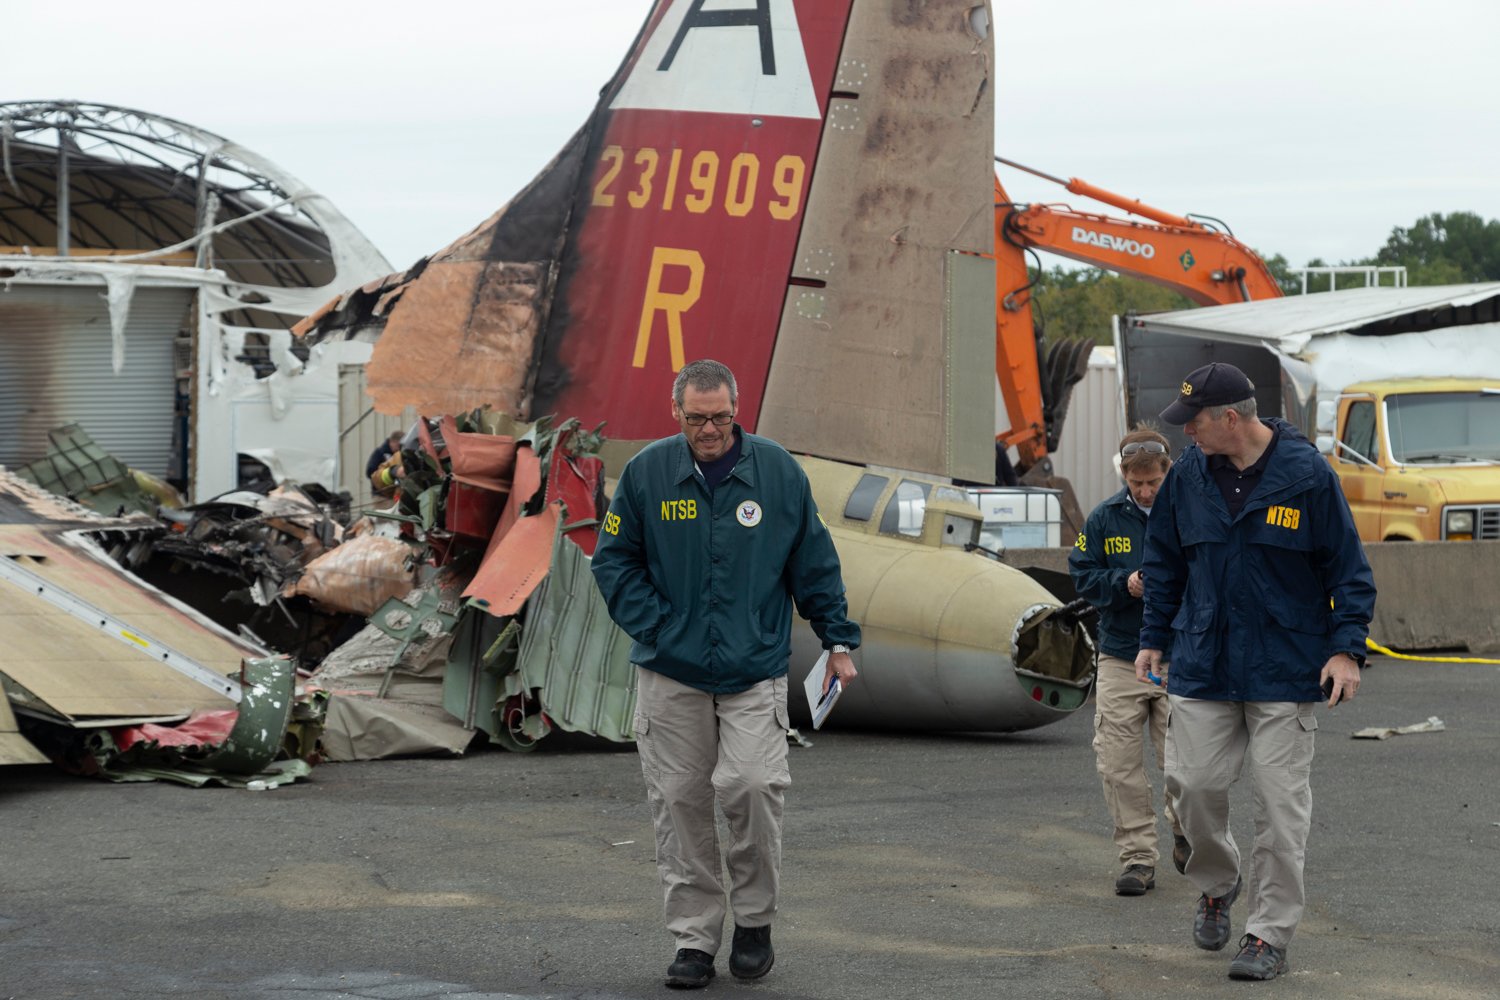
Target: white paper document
point(820, 702)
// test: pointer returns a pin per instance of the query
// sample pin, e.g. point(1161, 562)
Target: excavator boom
point(1209, 267)
point(1205, 265)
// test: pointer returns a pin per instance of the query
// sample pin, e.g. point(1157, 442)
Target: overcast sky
point(1311, 128)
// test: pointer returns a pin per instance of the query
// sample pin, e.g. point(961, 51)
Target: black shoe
point(1211, 925)
point(1257, 960)
point(1135, 880)
point(1181, 851)
point(691, 969)
point(751, 956)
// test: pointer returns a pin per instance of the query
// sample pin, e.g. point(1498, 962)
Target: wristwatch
point(838, 647)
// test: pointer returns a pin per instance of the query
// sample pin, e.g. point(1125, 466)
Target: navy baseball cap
point(1211, 385)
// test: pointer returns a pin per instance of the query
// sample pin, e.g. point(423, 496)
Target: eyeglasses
point(699, 419)
point(1149, 447)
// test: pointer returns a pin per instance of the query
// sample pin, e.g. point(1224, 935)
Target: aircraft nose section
point(1053, 653)
point(955, 642)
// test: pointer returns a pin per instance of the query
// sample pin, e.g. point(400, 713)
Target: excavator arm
point(1209, 267)
point(1206, 265)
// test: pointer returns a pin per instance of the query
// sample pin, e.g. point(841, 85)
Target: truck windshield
point(1444, 427)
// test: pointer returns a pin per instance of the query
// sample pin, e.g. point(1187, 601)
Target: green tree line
point(1438, 249)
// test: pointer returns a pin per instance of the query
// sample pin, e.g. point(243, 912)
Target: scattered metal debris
point(77, 468)
point(500, 517)
point(15, 748)
point(107, 675)
point(1432, 725)
point(228, 747)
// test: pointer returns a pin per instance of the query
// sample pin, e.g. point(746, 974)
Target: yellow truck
point(1418, 458)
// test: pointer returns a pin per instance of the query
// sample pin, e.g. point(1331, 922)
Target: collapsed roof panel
point(137, 182)
point(1288, 324)
point(207, 254)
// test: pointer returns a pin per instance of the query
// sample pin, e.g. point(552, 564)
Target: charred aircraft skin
point(942, 623)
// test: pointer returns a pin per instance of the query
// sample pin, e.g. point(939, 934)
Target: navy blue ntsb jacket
point(705, 584)
point(1111, 547)
point(1246, 603)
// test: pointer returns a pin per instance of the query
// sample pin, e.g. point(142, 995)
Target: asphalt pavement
point(950, 867)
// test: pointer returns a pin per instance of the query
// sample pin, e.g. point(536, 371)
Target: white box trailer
point(1306, 348)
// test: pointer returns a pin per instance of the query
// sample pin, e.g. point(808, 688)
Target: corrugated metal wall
point(1092, 431)
point(56, 368)
point(361, 430)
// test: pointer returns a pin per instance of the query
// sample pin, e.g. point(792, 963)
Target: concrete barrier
point(1430, 595)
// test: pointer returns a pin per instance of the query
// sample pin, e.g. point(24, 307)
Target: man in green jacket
point(711, 536)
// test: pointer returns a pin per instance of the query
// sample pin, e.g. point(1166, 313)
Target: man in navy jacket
point(1255, 574)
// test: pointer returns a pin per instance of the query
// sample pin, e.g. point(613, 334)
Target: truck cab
point(1418, 458)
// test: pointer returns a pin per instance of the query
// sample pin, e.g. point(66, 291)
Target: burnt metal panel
point(460, 337)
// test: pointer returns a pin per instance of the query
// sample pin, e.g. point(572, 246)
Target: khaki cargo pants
point(1207, 746)
point(696, 747)
point(1124, 708)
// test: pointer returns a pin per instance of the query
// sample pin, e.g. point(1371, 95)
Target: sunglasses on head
point(1149, 447)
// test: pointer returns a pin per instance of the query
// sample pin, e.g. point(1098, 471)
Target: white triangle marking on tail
point(721, 68)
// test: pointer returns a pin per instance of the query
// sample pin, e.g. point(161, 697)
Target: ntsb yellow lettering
point(1284, 517)
point(1116, 545)
point(612, 523)
point(679, 510)
point(1082, 542)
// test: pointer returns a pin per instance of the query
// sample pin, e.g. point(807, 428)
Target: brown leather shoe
point(1135, 880)
point(1181, 851)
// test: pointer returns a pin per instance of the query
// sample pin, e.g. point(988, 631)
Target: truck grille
point(1487, 522)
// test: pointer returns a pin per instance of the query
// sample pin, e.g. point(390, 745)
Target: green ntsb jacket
point(705, 585)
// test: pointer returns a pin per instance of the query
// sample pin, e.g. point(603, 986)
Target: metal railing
point(1374, 275)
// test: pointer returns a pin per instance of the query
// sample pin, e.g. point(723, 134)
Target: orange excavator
point(1196, 256)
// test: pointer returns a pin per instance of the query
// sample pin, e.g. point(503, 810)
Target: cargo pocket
point(1303, 735)
point(1169, 745)
point(778, 698)
point(776, 756)
point(642, 729)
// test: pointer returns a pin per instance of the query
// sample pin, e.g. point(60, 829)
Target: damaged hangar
point(150, 272)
